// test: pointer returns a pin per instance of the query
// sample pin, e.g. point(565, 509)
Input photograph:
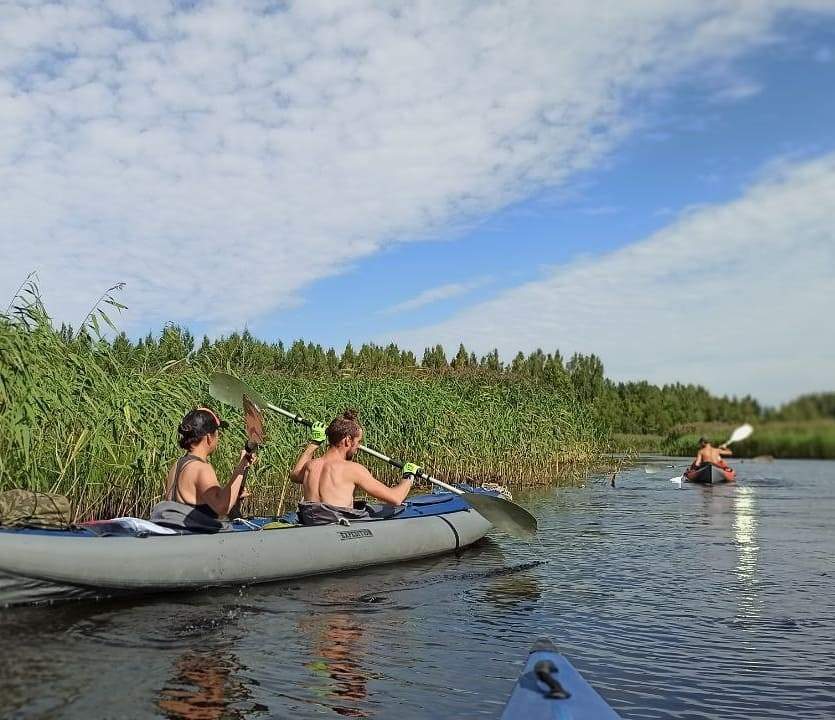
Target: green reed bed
point(76, 420)
point(807, 439)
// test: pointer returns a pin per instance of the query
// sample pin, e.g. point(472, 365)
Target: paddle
point(741, 433)
point(502, 514)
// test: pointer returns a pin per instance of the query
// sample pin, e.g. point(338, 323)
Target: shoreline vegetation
point(778, 439)
point(96, 420)
point(94, 417)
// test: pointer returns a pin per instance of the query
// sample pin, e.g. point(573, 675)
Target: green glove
point(317, 433)
point(410, 469)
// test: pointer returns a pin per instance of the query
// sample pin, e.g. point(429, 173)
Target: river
point(674, 602)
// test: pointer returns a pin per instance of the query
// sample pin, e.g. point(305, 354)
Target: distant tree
point(491, 361)
point(461, 359)
point(586, 373)
point(349, 357)
point(434, 357)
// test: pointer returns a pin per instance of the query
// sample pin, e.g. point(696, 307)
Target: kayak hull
point(165, 562)
point(709, 474)
point(550, 688)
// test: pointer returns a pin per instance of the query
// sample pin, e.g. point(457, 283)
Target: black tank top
point(175, 486)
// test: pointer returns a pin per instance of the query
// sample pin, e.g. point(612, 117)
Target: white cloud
point(739, 297)
point(221, 157)
point(436, 294)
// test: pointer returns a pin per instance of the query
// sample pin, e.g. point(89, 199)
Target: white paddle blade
point(742, 432)
point(503, 514)
point(678, 479)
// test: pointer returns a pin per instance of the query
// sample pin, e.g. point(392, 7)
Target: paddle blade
point(503, 514)
point(254, 423)
point(742, 432)
point(230, 390)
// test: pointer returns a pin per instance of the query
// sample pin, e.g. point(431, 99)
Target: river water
point(675, 602)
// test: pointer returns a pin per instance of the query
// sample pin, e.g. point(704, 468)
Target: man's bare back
point(331, 480)
point(334, 477)
point(709, 454)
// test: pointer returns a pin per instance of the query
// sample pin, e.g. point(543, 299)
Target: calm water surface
point(675, 603)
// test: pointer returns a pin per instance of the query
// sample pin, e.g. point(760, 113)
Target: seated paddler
point(709, 454)
point(330, 481)
point(194, 499)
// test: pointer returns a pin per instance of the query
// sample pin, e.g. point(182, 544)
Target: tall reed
point(77, 421)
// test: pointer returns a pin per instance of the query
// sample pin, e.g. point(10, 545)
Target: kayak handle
point(545, 671)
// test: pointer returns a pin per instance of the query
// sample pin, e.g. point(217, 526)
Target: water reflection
point(747, 548)
point(338, 644)
point(513, 591)
point(204, 687)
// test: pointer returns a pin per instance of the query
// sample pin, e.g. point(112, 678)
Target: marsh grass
point(77, 421)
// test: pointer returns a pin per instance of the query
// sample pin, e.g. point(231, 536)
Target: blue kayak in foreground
point(550, 688)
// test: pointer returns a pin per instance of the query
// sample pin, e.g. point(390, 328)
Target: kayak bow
point(710, 474)
point(551, 689)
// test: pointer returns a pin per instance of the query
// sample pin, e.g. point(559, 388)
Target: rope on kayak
point(501, 489)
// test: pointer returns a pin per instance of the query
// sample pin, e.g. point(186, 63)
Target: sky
point(652, 182)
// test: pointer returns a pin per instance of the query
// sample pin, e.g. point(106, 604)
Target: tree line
point(634, 407)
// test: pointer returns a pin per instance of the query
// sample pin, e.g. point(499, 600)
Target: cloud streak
point(738, 297)
point(219, 157)
point(436, 294)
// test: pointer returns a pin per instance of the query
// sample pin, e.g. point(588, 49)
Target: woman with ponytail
point(194, 499)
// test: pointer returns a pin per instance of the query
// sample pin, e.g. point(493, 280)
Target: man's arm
point(373, 487)
point(298, 472)
point(724, 450)
point(317, 437)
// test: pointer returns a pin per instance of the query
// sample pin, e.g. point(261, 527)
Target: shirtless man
point(329, 481)
point(709, 454)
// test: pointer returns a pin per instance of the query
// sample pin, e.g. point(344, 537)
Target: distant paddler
point(194, 499)
point(329, 481)
point(713, 455)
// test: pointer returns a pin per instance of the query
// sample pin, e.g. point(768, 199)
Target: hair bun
point(350, 414)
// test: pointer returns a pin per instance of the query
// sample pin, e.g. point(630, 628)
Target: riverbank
point(805, 439)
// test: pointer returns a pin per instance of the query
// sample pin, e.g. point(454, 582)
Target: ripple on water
point(673, 602)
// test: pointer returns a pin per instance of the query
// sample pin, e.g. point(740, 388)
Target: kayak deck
point(550, 688)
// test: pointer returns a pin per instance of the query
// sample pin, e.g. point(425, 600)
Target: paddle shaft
point(385, 458)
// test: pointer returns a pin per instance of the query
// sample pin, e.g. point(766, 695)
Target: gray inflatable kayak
point(428, 525)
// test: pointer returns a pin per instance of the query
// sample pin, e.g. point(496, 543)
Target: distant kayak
point(710, 474)
point(550, 689)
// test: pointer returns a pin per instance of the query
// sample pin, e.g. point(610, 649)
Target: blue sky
point(693, 148)
point(651, 182)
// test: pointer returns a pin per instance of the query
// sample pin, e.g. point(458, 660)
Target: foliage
point(96, 420)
